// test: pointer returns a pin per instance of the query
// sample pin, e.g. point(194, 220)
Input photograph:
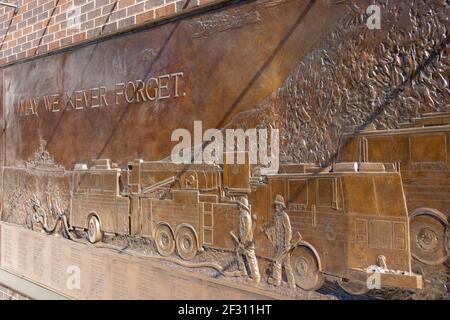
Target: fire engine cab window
point(349, 149)
point(109, 183)
point(96, 184)
point(298, 192)
point(389, 190)
point(83, 182)
point(428, 148)
point(325, 192)
point(353, 187)
point(379, 149)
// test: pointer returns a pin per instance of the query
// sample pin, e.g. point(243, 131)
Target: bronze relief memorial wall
point(359, 203)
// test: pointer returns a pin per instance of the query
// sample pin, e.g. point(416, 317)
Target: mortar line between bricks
point(7, 30)
point(46, 27)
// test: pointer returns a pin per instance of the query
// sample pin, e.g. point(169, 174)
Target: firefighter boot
point(253, 266)
point(276, 275)
point(289, 273)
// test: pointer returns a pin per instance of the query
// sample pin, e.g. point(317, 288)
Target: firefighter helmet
point(279, 200)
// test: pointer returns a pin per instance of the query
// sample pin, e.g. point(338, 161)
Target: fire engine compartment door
point(377, 224)
point(428, 152)
point(135, 177)
point(135, 218)
point(236, 175)
point(349, 149)
point(226, 219)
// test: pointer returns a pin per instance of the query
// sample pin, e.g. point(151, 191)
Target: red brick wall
point(44, 25)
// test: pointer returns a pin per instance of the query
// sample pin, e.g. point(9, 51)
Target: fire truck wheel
point(164, 241)
point(186, 243)
point(306, 269)
point(428, 240)
point(353, 287)
point(94, 233)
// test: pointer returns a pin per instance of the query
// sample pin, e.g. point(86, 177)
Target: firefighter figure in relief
point(280, 235)
point(246, 245)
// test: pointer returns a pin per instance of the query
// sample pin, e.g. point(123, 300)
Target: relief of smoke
point(361, 77)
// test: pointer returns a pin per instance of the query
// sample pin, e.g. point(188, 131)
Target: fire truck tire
point(353, 287)
point(306, 269)
point(164, 241)
point(186, 243)
point(94, 234)
point(428, 239)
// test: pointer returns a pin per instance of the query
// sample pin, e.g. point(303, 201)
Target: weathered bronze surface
point(213, 65)
point(85, 132)
point(106, 274)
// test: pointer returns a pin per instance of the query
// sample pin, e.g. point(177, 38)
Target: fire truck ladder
point(159, 184)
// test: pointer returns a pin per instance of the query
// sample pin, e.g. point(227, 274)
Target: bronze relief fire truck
point(420, 149)
point(171, 204)
point(350, 215)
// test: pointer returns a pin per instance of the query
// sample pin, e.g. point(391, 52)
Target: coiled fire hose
point(67, 233)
